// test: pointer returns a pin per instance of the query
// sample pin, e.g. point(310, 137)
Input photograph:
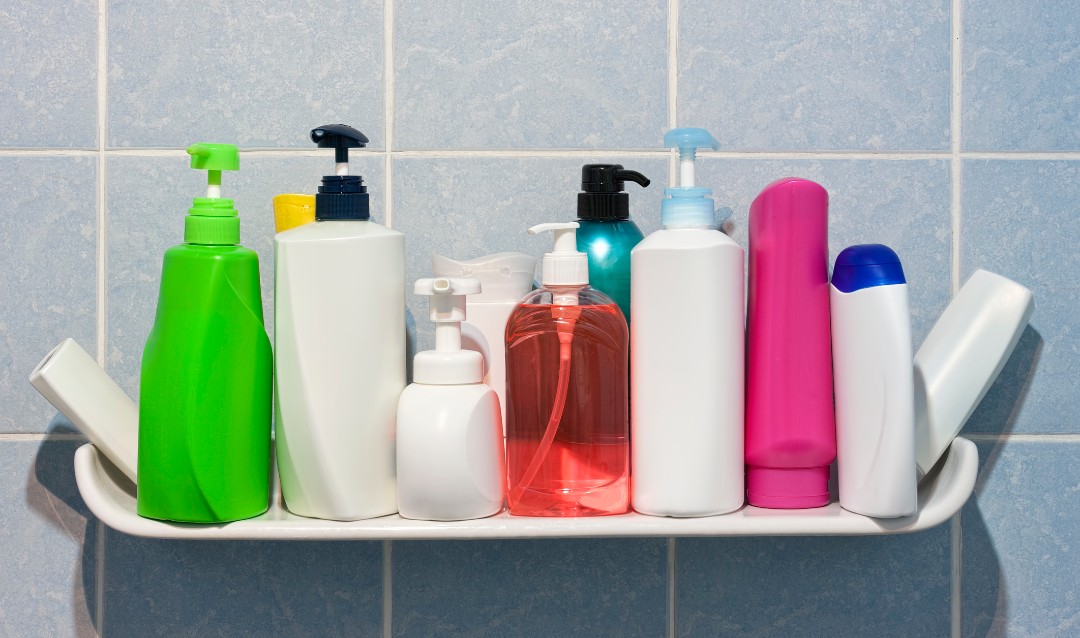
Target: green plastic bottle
point(205, 390)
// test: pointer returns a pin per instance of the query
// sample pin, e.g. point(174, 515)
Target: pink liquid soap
point(585, 470)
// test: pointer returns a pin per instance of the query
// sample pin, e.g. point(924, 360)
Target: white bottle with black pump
point(686, 353)
point(449, 427)
point(339, 346)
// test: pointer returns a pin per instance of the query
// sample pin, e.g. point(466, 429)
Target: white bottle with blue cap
point(873, 382)
point(686, 353)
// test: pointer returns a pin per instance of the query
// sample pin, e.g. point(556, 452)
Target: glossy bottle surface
point(205, 390)
point(340, 346)
point(790, 432)
point(608, 244)
point(586, 470)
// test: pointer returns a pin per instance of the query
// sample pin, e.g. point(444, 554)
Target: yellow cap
point(291, 211)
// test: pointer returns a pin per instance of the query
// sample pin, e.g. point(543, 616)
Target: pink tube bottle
point(790, 430)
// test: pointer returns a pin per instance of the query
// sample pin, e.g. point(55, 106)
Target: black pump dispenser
point(603, 196)
point(341, 196)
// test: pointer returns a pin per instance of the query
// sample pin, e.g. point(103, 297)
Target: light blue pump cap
point(687, 204)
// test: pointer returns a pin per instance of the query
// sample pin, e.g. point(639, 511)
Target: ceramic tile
point(49, 287)
point(148, 198)
point(454, 207)
point(573, 587)
point(555, 74)
point(48, 83)
point(1020, 81)
point(1019, 533)
point(246, 72)
point(47, 542)
point(1020, 221)
point(795, 75)
point(235, 588)
point(814, 586)
point(903, 204)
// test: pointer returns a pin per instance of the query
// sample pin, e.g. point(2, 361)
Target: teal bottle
point(605, 231)
point(205, 386)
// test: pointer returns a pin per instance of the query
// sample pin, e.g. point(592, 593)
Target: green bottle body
point(205, 390)
point(608, 243)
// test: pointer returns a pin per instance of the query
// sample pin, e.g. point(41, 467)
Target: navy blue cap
point(866, 266)
point(341, 197)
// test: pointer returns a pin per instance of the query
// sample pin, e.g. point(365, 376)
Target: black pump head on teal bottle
point(341, 196)
point(602, 196)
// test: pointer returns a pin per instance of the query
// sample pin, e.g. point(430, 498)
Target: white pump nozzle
point(447, 364)
point(563, 266)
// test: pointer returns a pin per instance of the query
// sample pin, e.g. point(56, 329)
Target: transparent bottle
point(568, 445)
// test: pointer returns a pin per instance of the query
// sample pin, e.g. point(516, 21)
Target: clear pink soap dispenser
point(790, 430)
point(567, 428)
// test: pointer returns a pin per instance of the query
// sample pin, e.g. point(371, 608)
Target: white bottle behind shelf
point(686, 355)
point(873, 383)
point(449, 431)
point(339, 311)
point(504, 279)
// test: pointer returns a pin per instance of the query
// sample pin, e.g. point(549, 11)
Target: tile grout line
point(671, 549)
point(955, 590)
point(673, 81)
point(956, 163)
point(102, 299)
point(388, 112)
point(102, 128)
point(956, 209)
point(846, 155)
point(388, 589)
point(388, 212)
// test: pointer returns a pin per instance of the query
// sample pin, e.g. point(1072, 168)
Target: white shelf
point(111, 497)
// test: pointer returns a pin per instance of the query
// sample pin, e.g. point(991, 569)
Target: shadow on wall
point(983, 596)
point(53, 479)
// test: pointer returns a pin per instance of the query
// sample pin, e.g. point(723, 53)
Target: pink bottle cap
point(787, 488)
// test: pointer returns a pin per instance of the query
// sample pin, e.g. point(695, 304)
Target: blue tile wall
point(1018, 564)
point(200, 588)
point(574, 587)
point(256, 73)
point(1020, 76)
point(48, 542)
point(560, 74)
point(48, 288)
point(1020, 219)
point(824, 587)
point(478, 131)
point(48, 84)
point(794, 75)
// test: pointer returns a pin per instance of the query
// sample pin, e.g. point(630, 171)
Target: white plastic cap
point(447, 364)
point(563, 266)
point(505, 277)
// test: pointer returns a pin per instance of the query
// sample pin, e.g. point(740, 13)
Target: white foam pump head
point(447, 364)
point(563, 266)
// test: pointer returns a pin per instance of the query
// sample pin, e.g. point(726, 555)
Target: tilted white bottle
point(686, 354)
point(339, 312)
point(504, 279)
point(873, 382)
point(963, 356)
point(450, 461)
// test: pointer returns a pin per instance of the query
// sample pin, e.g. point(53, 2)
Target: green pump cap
point(212, 220)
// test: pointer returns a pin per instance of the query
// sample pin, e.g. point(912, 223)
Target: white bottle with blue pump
point(450, 463)
point(686, 353)
point(873, 382)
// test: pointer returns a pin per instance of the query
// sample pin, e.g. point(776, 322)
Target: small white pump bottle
point(449, 430)
point(873, 382)
point(504, 279)
point(686, 354)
